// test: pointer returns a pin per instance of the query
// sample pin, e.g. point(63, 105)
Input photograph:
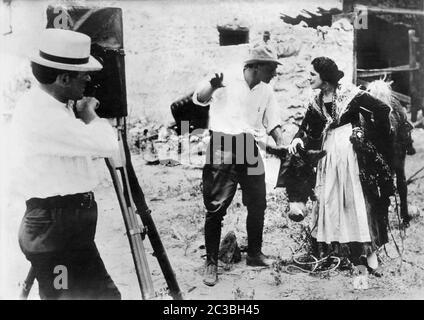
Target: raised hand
point(216, 82)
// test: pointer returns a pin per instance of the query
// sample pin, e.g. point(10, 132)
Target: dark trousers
point(220, 181)
point(57, 237)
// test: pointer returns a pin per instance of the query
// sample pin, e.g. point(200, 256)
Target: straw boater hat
point(65, 50)
point(261, 54)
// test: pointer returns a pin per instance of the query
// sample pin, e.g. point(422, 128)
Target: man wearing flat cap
point(53, 151)
point(243, 109)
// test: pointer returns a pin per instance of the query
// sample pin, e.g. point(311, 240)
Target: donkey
point(402, 140)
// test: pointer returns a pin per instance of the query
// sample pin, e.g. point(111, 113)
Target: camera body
point(184, 109)
point(105, 28)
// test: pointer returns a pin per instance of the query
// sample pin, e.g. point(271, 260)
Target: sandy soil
point(178, 213)
point(174, 195)
point(157, 74)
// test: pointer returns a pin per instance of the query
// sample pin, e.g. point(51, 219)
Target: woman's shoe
point(377, 272)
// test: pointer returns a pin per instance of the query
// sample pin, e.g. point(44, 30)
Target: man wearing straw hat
point(243, 108)
point(54, 148)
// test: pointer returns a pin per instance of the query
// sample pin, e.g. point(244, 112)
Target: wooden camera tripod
point(132, 203)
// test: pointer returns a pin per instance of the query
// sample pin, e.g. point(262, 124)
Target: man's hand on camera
point(86, 109)
point(216, 82)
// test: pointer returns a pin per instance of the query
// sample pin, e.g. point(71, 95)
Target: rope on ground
point(315, 265)
point(297, 265)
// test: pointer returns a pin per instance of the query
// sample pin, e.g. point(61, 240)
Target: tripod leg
point(27, 285)
point(161, 256)
point(134, 236)
point(146, 218)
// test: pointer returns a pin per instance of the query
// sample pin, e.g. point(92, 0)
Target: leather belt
point(78, 200)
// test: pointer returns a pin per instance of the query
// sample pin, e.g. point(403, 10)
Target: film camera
point(104, 27)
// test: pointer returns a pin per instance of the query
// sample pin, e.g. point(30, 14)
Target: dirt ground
point(174, 196)
point(174, 193)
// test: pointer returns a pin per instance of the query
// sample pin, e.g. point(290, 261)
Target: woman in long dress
point(353, 181)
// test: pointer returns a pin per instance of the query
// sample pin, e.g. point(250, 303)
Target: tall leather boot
point(255, 226)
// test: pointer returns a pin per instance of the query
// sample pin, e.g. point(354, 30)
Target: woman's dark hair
point(328, 70)
point(47, 75)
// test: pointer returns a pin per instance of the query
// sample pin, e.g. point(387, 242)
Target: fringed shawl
point(344, 96)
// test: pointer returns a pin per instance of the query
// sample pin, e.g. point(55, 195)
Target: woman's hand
point(357, 135)
point(293, 146)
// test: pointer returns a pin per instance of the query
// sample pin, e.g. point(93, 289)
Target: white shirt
point(52, 150)
point(236, 108)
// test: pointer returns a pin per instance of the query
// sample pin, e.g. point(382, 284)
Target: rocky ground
point(170, 46)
